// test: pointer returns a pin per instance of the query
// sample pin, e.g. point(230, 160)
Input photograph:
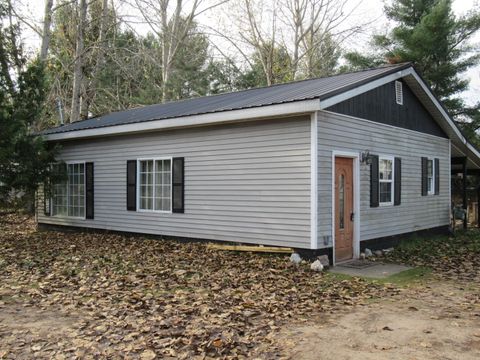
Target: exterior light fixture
point(365, 157)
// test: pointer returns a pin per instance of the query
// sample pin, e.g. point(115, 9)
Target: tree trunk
point(90, 87)
point(47, 21)
point(78, 65)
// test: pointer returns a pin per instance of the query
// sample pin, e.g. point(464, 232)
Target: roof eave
point(302, 107)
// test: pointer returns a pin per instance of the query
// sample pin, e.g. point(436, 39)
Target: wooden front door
point(343, 208)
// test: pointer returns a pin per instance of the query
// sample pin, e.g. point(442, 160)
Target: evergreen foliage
point(25, 160)
point(429, 35)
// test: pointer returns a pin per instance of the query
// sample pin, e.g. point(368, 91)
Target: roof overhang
point(460, 145)
point(295, 108)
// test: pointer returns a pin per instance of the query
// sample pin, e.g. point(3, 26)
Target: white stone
point(295, 258)
point(316, 266)
point(378, 253)
point(386, 251)
point(324, 260)
point(362, 256)
point(368, 253)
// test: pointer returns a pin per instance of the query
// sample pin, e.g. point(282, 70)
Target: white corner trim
point(263, 112)
point(355, 155)
point(314, 180)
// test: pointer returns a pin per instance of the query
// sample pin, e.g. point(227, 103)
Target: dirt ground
point(441, 321)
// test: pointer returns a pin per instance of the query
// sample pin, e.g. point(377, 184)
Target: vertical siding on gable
point(380, 105)
point(344, 133)
point(246, 182)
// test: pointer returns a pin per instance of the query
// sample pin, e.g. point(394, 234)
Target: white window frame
point(84, 193)
point(139, 184)
point(432, 190)
point(392, 159)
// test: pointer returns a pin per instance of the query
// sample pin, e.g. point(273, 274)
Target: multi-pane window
point(155, 180)
point(68, 197)
point(385, 177)
point(430, 184)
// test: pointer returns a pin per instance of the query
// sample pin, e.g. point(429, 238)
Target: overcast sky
point(365, 11)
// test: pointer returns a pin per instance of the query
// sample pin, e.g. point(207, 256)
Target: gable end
point(380, 105)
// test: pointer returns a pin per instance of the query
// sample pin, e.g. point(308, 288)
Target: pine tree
point(428, 34)
point(25, 159)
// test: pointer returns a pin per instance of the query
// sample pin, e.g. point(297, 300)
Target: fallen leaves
point(148, 298)
point(452, 258)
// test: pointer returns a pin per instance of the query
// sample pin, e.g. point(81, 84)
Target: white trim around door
point(356, 199)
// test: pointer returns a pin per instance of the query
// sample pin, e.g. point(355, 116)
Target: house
point(329, 165)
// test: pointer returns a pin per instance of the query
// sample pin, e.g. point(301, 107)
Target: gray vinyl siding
point(416, 212)
point(246, 182)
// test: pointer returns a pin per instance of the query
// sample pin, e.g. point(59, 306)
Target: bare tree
point(47, 21)
point(312, 22)
point(261, 40)
point(78, 63)
point(301, 28)
point(171, 23)
point(96, 54)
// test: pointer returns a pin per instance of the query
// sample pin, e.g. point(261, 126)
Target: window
point(399, 92)
point(155, 180)
point(341, 200)
point(430, 172)
point(68, 197)
point(385, 177)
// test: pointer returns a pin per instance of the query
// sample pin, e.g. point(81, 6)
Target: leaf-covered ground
point(80, 295)
point(450, 257)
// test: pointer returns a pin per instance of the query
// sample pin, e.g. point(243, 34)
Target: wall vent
point(399, 92)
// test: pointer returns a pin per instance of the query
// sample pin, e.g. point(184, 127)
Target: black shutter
point(47, 199)
point(437, 176)
point(89, 190)
point(424, 176)
point(397, 181)
point(132, 185)
point(374, 183)
point(178, 185)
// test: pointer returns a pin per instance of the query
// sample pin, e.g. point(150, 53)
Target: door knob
point(352, 216)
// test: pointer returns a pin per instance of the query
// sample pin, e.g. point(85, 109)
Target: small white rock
point(362, 256)
point(386, 251)
point(295, 258)
point(316, 266)
point(324, 260)
point(378, 253)
point(368, 253)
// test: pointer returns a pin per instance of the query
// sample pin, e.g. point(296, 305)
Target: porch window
point(155, 180)
point(68, 197)
point(385, 172)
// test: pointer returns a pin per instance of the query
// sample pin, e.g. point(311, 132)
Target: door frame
point(356, 199)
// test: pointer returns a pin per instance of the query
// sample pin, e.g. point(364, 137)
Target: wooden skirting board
point(267, 249)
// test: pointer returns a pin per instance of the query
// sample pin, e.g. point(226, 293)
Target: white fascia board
point(263, 112)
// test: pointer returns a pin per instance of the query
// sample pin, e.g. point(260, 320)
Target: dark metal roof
point(320, 88)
